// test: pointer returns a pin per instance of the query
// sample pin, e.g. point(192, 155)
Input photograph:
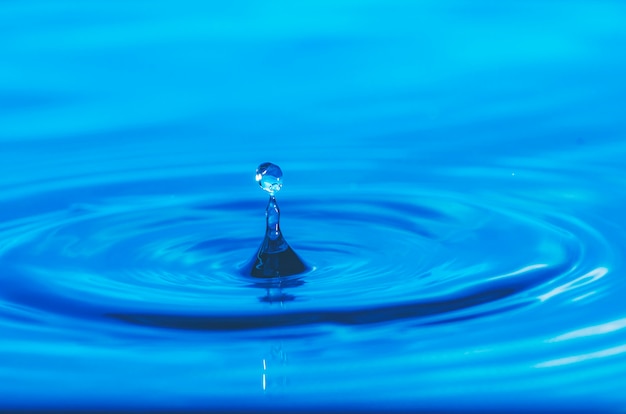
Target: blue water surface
point(454, 177)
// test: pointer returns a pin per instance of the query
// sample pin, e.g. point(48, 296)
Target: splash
point(275, 257)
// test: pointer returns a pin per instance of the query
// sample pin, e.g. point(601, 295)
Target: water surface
point(454, 178)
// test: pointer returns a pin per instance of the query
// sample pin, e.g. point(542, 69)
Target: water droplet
point(270, 177)
point(275, 257)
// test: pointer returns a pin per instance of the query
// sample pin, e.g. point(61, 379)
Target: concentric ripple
point(161, 261)
point(175, 262)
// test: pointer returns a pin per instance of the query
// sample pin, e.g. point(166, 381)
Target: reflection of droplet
point(275, 377)
point(264, 380)
point(269, 176)
point(275, 257)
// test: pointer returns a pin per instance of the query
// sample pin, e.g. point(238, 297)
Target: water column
point(274, 257)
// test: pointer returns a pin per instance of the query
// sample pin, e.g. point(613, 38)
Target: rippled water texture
point(454, 178)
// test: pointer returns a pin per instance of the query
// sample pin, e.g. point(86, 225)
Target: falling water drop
point(269, 176)
point(275, 257)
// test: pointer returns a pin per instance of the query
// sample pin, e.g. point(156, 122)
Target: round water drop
point(270, 177)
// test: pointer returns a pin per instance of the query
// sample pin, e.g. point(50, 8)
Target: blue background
point(129, 129)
